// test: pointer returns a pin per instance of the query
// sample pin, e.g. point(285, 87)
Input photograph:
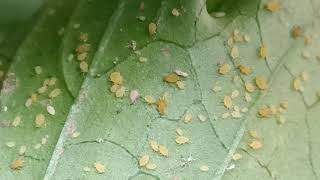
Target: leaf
point(93, 124)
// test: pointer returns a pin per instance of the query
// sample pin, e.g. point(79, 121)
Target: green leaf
point(92, 125)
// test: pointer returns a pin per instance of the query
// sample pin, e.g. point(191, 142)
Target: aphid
point(180, 85)
point(281, 119)
point(253, 133)
point(28, 103)
point(22, 150)
point(100, 168)
point(265, 112)
point(51, 110)
point(273, 6)
point(54, 93)
point(296, 31)
point(179, 131)
point(224, 69)
point(120, 91)
point(143, 59)
point(149, 99)
point(216, 88)
point(83, 37)
point(263, 52)
point(52, 81)
point(38, 70)
point(152, 28)
point(175, 12)
point(202, 118)
point(171, 78)
point(181, 140)
point(162, 105)
point(304, 76)
point(246, 38)
point(297, 84)
point(83, 48)
point(236, 156)
point(17, 164)
point(75, 134)
point(227, 101)
point(40, 120)
point(236, 114)
point(16, 121)
point(249, 87)
point(218, 14)
point(34, 97)
point(181, 73)
point(225, 115)
point(306, 55)
point(10, 144)
point(134, 96)
point(187, 118)
point(141, 18)
point(82, 56)
point(151, 166)
point(246, 70)
point(234, 94)
point(163, 150)
point(116, 78)
point(261, 83)
point(44, 140)
point(204, 168)
point(236, 36)
point(84, 67)
point(154, 145)
point(42, 89)
point(144, 160)
point(247, 97)
point(255, 144)
point(284, 104)
point(234, 53)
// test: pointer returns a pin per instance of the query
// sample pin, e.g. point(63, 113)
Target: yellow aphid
point(249, 87)
point(255, 144)
point(181, 140)
point(246, 70)
point(296, 31)
point(84, 67)
point(54, 93)
point(234, 52)
point(171, 78)
point(39, 120)
point(265, 112)
point(162, 105)
point(236, 156)
point(224, 69)
point(100, 168)
point(304, 76)
point(253, 134)
point(273, 6)
point(163, 150)
point(204, 168)
point(17, 164)
point(227, 101)
point(187, 118)
point(261, 83)
point(237, 36)
point(149, 99)
point(116, 78)
point(154, 145)
point(75, 134)
point(263, 51)
point(152, 28)
point(144, 160)
point(175, 12)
